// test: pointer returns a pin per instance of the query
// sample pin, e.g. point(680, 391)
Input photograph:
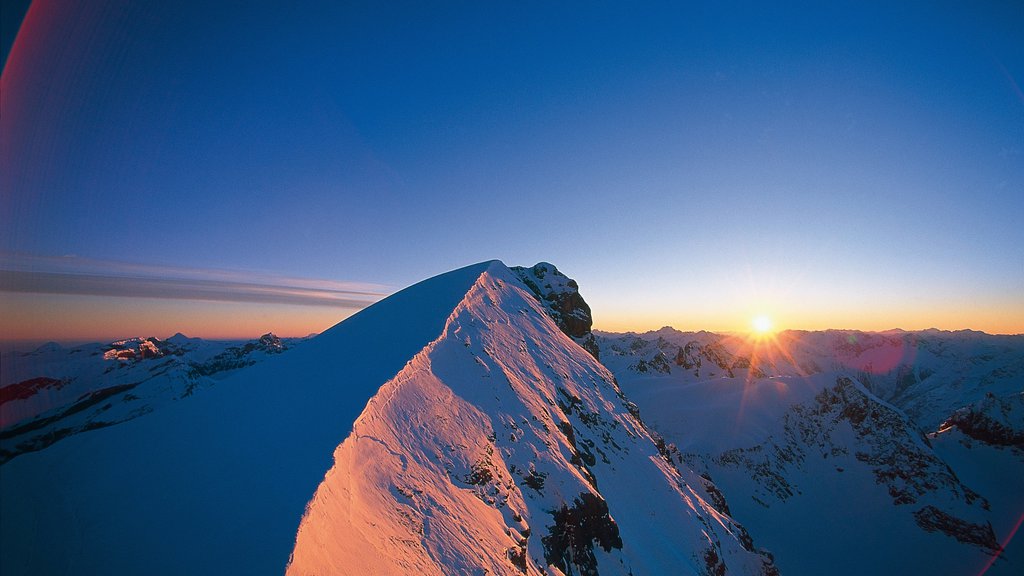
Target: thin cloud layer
point(82, 276)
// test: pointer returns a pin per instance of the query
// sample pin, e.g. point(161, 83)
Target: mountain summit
point(455, 427)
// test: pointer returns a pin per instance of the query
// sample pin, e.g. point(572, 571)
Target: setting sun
point(761, 324)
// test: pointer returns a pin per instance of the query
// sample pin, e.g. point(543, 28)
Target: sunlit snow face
point(761, 324)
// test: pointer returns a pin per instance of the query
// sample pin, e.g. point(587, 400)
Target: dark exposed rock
point(238, 356)
point(713, 563)
point(717, 498)
point(909, 470)
point(11, 445)
point(657, 364)
point(687, 356)
point(569, 544)
point(995, 421)
point(535, 480)
point(931, 519)
point(692, 356)
point(149, 349)
point(742, 362)
point(270, 343)
point(561, 298)
point(589, 343)
point(517, 556)
point(660, 364)
point(479, 475)
point(896, 453)
point(27, 388)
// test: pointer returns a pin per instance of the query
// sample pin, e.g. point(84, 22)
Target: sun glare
point(761, 324)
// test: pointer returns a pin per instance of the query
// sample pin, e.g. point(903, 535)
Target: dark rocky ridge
point(26, 388)
point(561, 298)
point(993, 420)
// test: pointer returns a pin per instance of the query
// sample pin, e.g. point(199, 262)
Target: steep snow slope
point(217, 484)
point(818, 467)
point(842, 468)
point(984, 443)
point(504, 448)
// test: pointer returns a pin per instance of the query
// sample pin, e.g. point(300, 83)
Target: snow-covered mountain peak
point(504, 448)
point(46, 348)
point(218, 482)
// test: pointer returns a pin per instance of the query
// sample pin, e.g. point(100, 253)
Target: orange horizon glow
point(991, 320)
point(72, 318)
point(33, 317)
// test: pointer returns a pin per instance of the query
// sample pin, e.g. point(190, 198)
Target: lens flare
point(761, 324)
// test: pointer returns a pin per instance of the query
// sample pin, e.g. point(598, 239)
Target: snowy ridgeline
point(466, 426)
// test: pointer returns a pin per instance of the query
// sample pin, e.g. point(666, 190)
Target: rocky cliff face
point(561, 298)
point(998, 421)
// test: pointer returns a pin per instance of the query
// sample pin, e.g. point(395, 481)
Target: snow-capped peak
point(503, 448)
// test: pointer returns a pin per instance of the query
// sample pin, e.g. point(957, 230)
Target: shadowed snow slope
point(218, 483)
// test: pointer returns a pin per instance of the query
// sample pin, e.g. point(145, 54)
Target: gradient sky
point(853, 165)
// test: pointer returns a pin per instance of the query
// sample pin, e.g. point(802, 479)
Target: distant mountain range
point(846, 452)
point(474, 424)
point(53, 392)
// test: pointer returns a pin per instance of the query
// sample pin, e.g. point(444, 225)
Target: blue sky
point(855, 165)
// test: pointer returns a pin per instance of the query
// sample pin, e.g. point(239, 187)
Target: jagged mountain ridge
point(928, 373)
point(560, 295)
point(795, 433)
point(219, 483)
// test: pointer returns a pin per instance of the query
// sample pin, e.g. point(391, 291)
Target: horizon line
point(73, 342)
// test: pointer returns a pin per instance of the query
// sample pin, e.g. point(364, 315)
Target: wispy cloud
point(73, 275)
point(1013, 81)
